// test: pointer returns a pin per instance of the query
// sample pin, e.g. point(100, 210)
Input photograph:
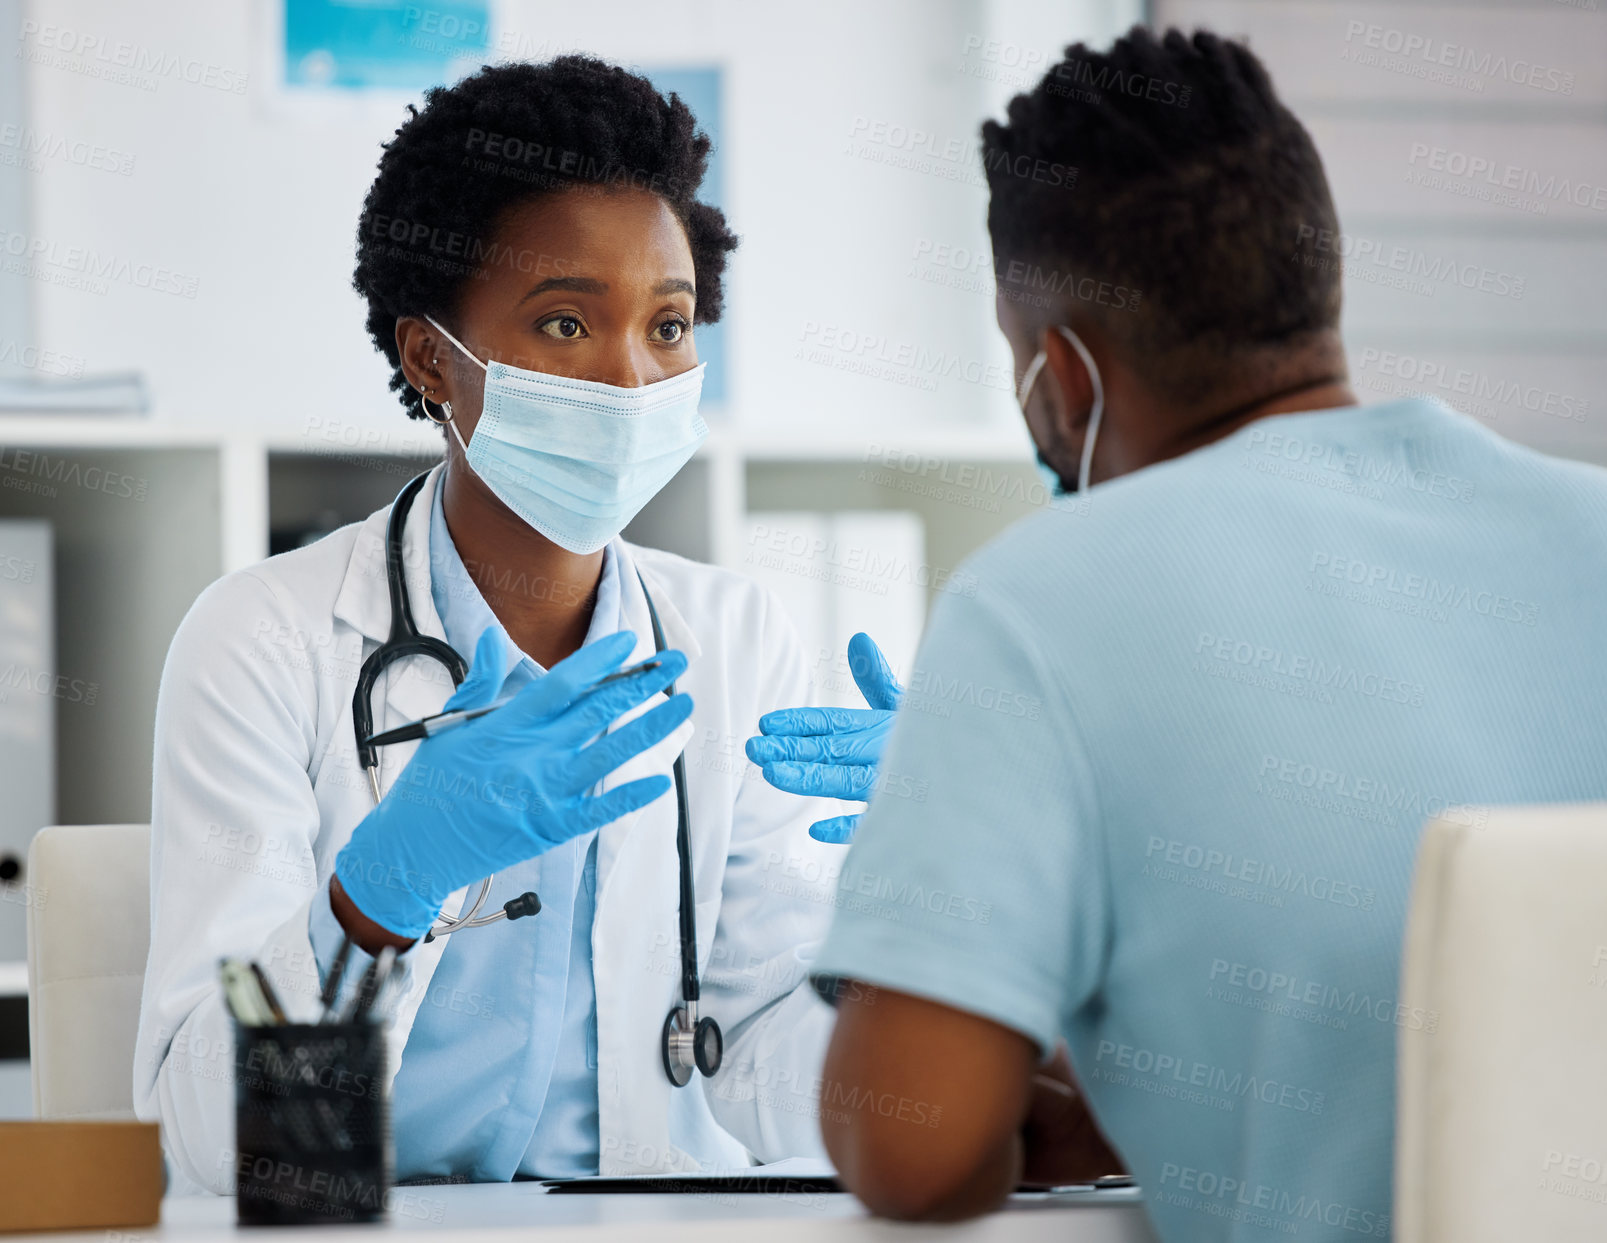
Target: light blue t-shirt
point(1160, 775)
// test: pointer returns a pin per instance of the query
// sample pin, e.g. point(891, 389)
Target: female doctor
point(534, 260)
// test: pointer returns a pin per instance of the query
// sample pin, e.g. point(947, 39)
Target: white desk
point(495, 1212)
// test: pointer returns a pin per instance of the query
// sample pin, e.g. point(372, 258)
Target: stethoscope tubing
point(405, 641)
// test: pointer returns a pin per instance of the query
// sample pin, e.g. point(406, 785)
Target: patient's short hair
point(1164, 189)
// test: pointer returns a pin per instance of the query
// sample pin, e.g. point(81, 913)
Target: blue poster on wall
point(699, 89)
point(382, 44)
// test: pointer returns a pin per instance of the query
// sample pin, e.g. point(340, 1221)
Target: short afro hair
point(1195, 192)
point(494, 141)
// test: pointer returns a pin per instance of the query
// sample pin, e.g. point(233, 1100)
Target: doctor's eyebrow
point(571, 284)
point(588, 284)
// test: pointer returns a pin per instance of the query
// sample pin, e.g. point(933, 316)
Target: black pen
point(332, 981)
point(442, 722)
point(374, 979)
point(270, 997)
point(626, 673)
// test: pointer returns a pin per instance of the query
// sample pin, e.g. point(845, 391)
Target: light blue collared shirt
point(499, 1075)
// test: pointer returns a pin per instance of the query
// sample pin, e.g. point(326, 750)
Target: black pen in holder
point(312, 1123)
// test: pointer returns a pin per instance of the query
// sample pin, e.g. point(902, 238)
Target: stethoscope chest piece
point(691, 1043)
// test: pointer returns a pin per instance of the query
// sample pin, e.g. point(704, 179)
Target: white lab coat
point(256, 788)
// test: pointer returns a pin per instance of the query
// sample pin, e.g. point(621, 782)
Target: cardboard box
point(80, 1175)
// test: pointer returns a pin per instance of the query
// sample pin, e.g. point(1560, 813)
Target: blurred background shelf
point(145, 516)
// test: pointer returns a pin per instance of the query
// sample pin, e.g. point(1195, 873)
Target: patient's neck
point(1315, 378)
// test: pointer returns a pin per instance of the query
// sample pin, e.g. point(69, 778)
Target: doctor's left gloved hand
point(832, 752)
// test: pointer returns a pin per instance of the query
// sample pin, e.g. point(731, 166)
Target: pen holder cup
point(312, 1124)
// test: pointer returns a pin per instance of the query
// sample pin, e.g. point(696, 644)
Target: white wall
point(1394, 129)
point(258, 205)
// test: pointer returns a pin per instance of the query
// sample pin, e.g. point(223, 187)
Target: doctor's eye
point(565, 327)
point(671, 331)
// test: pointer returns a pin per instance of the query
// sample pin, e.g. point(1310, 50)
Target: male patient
point(1180, 744)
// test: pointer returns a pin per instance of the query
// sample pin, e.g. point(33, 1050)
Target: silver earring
point(424, 409)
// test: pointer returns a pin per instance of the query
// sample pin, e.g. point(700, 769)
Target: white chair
point(88, 936)
point(1501, 1125)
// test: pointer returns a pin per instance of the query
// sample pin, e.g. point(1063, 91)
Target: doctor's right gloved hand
point(511, 784)
point(832, 752)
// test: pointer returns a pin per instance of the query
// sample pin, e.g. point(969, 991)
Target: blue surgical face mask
point(1052, 482)
point(577, 459)
point(1095, 414)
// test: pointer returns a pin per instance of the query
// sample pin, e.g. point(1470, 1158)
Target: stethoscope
point(688, 1042)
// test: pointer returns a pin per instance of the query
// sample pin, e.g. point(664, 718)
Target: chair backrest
point(88, 936)
point(1501, 1124)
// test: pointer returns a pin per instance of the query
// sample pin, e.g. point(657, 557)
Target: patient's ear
point(1069, 393)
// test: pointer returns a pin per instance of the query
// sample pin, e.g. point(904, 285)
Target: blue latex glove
point(511, 784)
point(832, 752)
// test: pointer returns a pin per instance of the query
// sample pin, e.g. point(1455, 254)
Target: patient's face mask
point(1051, 477)
point(577, 459)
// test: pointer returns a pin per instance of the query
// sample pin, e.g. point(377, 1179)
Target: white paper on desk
point(790, 1167)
